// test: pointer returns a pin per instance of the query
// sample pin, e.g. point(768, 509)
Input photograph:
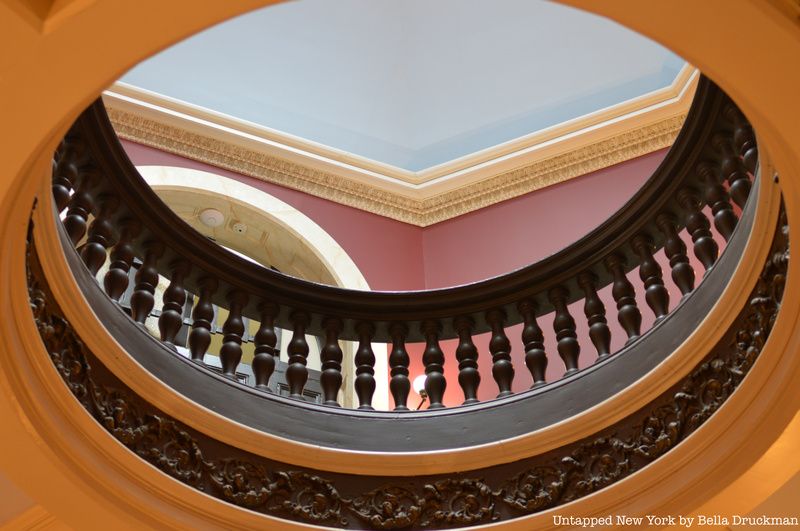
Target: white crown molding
point(592, 142)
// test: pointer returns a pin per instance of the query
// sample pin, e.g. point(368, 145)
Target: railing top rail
point(179, 241)
point(112, 215)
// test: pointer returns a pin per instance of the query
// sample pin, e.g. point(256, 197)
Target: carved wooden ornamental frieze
point(443, 501)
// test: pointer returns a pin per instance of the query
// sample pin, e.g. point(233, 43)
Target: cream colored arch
point(274, 233)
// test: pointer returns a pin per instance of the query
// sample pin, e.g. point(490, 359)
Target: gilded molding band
point(422, 212)
point(480, 496)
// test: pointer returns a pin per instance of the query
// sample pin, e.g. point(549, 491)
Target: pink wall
point(364, 236)
point(520, 231)
point(513, 234)
point(397, 256)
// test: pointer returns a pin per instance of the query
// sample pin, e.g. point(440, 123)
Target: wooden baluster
point(719, 201)
point(61, 184)
point(682, 271)
point(142, 298)
point(331, 356)
point(398, 361)
point(202, 316)
point(169, 324)
point(116, 279)
point(737, 178)
point(65, 175)
point(467, 355)
point(264, 358)
point(296, 372)
point(744, 139)
point(61, 189)
point(230, 354)
point(433, 359)
point(733, 169)
point(100, 234)
point(705, 248)
point(365, 365)
point(533, 341)
point(595, 312)
point(500, 348)
point(622, 290)
point(81, 204)
point(564, 326)
point(655, 293)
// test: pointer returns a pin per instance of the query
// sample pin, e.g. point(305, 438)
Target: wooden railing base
point(549, 480)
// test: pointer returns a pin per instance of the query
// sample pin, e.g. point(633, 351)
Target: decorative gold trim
point(589, 143)
point(422, 212)
point(560, 138)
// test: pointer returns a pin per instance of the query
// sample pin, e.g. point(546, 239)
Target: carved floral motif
point(546, 481)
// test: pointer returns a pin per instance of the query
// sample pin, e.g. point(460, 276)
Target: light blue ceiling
point(412, 83)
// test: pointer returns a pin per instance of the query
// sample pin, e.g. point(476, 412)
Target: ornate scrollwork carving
point(534, 489)
point(443, 503)
point(166, 444)
point(599, 462)
point(546, 481)
point(421, 212)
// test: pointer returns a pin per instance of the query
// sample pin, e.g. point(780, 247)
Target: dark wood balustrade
point(110, 213)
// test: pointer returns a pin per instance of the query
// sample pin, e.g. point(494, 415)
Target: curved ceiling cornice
point(592, 142)
point(413, 110)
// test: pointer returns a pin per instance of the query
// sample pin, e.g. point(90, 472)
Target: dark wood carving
point(467, 355)
point(705, 248)
point(230, 354)
point(595, 312)
point(433, 359)
point(69, 160)
point(297, 373)
point(331, 357)
point(655, 293)
point(740, 154)
point(109, 192)
point(202, 316)
point(500, 348)
point(100, 235)
point(533, 341)
point(468, 498)
point(265, 354)
point(116, 279)
point(744, 146)
point(564, 327)
point(143, 298)
point(398, 362)
point(718, 199)
point(365, 366)
point(80, 206)
point(622, 290)
point(92, 150)
point(169, 324)
point(675, 249)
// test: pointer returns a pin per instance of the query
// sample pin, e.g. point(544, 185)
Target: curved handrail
point(433, 500)
point(420, 431)
point(716, 145)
